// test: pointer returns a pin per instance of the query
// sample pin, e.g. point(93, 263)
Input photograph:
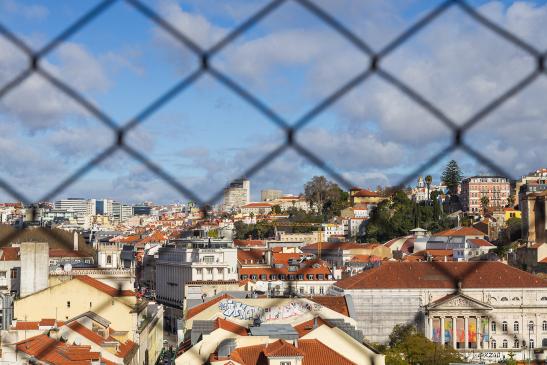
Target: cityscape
point(273, 182)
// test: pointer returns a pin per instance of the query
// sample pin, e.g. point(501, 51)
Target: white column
point(442, 330)
point(466, 329)
point(454, 331)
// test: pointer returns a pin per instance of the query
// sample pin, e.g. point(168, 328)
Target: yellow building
point(511, 213)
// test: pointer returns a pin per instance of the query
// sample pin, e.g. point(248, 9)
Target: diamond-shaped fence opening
point(35, 57)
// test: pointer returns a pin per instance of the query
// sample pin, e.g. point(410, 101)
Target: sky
point(291, 60)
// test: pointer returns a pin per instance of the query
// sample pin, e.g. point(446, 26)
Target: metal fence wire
point(374, 67)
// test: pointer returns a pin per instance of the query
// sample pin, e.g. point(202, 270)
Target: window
point(243, 277)
point(531, 326)
point(493, 326)
point(544, 326)
point(68, 304)
point(209, 259)
point(516, 344)
point(108, 259)
point(273, 277)
point(504, 299)
point(504, 326)
point(253, 277)
point(13, 273)
point(200, 271)
point(312, 290)
point(321, 290)
point(532, 343)
point(504, 344)
point(210, 270)
point(310, 276)
point(301, 290)
point(300, 276)
point(493, 344)
point(291, 277)
point(515, 299)
point(285, 363)
point(3, 274)
point(282, 276)
point(320, 276)
point(544, 298)
point(263, 276)
point(516, 326)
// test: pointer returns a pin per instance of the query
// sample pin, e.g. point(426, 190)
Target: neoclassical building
point(486, 310)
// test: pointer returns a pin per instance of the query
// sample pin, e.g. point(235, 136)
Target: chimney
point(75, 241)
point(269, 256)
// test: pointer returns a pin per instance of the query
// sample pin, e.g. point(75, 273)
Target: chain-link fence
point(290, 128)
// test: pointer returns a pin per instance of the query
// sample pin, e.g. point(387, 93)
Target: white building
point(83, 208)
point(259, 208)
point(237, 194)
point(192, 260)
point(483, 309)
point(267, 195)
point(332, 229)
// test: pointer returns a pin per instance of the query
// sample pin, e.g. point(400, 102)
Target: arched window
point(516, 299)
point(531, 326)
point(504, 326)
point(493, 326)
point(504, 299)
point(108, 259)
point(544, 326)
point(516, 326)
point(516, 344)
point(493, 344)
point(544, 298)
point(532, 343)
point(504, 344)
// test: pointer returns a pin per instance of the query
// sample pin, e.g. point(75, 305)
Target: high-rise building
point(81, 207)
point(268, 195)
point(121, 212)
point(474, 188)
point(104, 207)
point(237, 194)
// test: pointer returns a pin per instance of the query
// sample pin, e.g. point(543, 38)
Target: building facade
point(484, 309)
point(237, 194)
point(496, 188)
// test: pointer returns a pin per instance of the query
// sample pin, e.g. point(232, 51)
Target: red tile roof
point(252, 256)
point(203, 306)
point(322, 269)
point(481, 242)
point(442, 275)
point(250, 243)
point(283, 258)
point(306, 327)
point(257, 205)
point(331, 246)
point(460, 231)
point(51, 351)
point(314, 352)
point(107, 289)
point(59, 252)
point(231, 326)
point(10, 254)
point(281, 348)
point(337, 304)
point(365, 258)
point(364, 193)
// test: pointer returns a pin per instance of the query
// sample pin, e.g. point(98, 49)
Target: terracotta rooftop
point(481, 242)
point(395, 275)
point(51, 351)
point(460, 231)
point(107, 289)
point(9, 254)
point(250, 256)
point(258, 205)
point(231, 327)
point(306, 327)
point(331, 246)
point(203, 306)
point(337, 304)
point(364, 193)
point(313, 352)
point(250, 243)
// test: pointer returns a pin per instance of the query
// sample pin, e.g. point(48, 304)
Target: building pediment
point(458, 301)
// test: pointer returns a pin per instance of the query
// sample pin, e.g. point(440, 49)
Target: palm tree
point(428, 180)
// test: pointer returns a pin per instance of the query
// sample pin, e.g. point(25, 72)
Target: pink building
point(496, 188)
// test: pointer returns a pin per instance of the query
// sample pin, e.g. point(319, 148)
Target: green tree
point(276, 209)
point(325, 196)
point(407, 346)
point(428, 181)
point(452, 176)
